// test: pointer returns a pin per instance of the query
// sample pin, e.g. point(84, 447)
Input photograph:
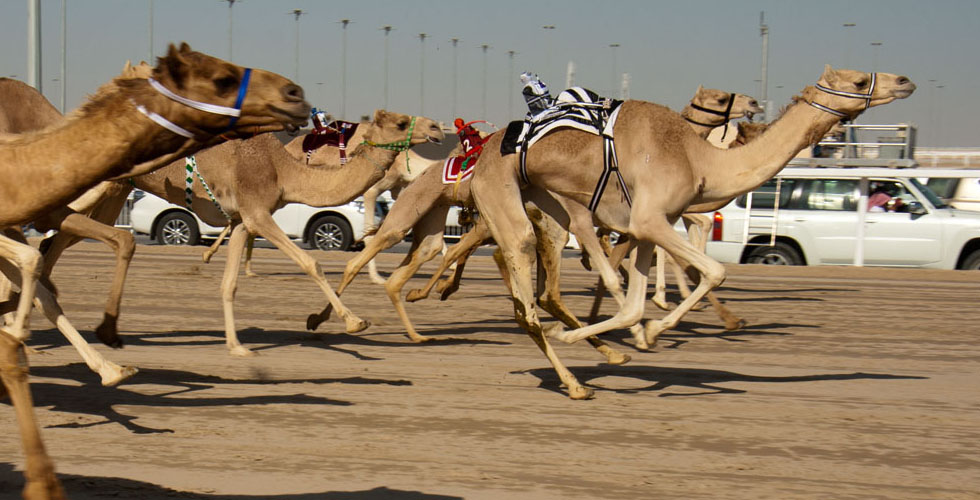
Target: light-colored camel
point(707, 110)
point(131, 129)
point(668, 168)
point(407, 166)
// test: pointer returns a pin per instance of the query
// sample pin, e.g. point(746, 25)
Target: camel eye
point(402, 125)
point(225, 84)
point(861, 84)
point(723, 100)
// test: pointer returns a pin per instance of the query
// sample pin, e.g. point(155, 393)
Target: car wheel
point(779, 254)
point(972, 262)
point(177, 228)
point(330, 233)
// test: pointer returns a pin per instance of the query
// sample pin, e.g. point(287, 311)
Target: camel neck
point(329, 185)
point(731, 172)
point(702, 122)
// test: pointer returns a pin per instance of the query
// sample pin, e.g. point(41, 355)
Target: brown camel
point(669, 169)
point(133, 128)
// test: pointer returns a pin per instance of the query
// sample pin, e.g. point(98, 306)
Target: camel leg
point(660, 289)
point(607, 267)
point(499, 202)
point(23, 268)
point(249, 246)
point(76, 226)
point(264, 225)
point(110, 373)
point(466, 246)
point(426, 242)
point(229, 285)
point(450, 285)
point(551, 239)
point(213, 249)
point(41, 482)
point(392, 231)
point(370, 198)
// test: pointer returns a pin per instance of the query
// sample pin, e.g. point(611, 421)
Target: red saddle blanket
point(335, 134)
point(452, 166)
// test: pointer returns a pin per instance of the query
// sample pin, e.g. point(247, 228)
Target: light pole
point(297, 13)
point(387, 29)
point(764, 32)
point(849, 44)
point(422, 37)
point(612, 89)
point(34, 44)
point(343, 69)
point(510, 83)
point(874, 55)
point(455, 42)
point(549, 28)
point(231, 3)
point(484, 47)
point(149, 31)
point(64, 53)
point(939, 114)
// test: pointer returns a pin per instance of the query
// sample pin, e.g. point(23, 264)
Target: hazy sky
point(667, 48)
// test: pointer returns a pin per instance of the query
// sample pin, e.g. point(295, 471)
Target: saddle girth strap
point(192, 171)
point(610, 164)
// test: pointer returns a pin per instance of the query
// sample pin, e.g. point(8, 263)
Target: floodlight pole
point(764, 95)
point(34, 44)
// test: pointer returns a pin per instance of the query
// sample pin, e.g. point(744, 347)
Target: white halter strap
point(202, 106)
point(163, 122)
point(854, 95)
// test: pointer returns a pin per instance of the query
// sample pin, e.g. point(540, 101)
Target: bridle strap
point(853, 95)
point(398, 146)
point(235, 113)
point(726, 115)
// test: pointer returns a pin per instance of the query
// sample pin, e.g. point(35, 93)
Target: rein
point(841, 93)
point(398, 146)
point(234, 112)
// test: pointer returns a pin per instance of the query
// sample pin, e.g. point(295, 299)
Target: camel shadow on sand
point(80, 487)
point(705, 382)
point(93, 399)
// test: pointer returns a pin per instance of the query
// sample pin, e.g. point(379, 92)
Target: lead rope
point(191, 168)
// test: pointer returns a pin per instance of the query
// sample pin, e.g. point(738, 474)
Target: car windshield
point(929, 194)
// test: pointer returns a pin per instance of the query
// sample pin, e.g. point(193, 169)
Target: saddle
point(334, 134)
point(458, 168)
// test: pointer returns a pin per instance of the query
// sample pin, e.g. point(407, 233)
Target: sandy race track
point(847, 383)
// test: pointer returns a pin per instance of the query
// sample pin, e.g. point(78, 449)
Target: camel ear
point(380, 115)
point(829, 75)
point(174, 65)
point(700, 88)
point(185, 48)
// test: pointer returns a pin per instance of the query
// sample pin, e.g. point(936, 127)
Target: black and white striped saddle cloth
point(576, 108)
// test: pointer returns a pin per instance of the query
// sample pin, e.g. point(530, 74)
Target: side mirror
point(916, 208)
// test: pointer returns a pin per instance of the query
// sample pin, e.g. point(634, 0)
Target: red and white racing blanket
point(451, 167)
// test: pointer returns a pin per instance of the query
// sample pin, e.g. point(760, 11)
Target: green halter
point(398, 146)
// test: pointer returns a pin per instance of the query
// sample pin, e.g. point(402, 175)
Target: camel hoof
point(241, 351)
point(355, 325)
point(109, 334)
point(557, 331)
point(581, 393)
point(448, 291)
point(206, 257)
point(415, 295)
point(112, 374)
point(251, 274)
point(418, 339)
point(312, 322)
point(47, 488)
point(617, 358)
point(652, 332)
point(736, 325)
point(662, 304)
point(638, 337)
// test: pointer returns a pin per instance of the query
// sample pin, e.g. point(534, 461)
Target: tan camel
point(242, 183)
point(707, 110)
point(129, 130)
point(669, 169)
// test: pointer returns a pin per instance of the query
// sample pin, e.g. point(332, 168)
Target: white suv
point(816, 224)
point(324, 228)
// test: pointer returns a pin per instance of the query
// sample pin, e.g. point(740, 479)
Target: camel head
point(271, 102)
point(847, 93)
point(389, 127)
point(718, 101)
point(748, 132)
